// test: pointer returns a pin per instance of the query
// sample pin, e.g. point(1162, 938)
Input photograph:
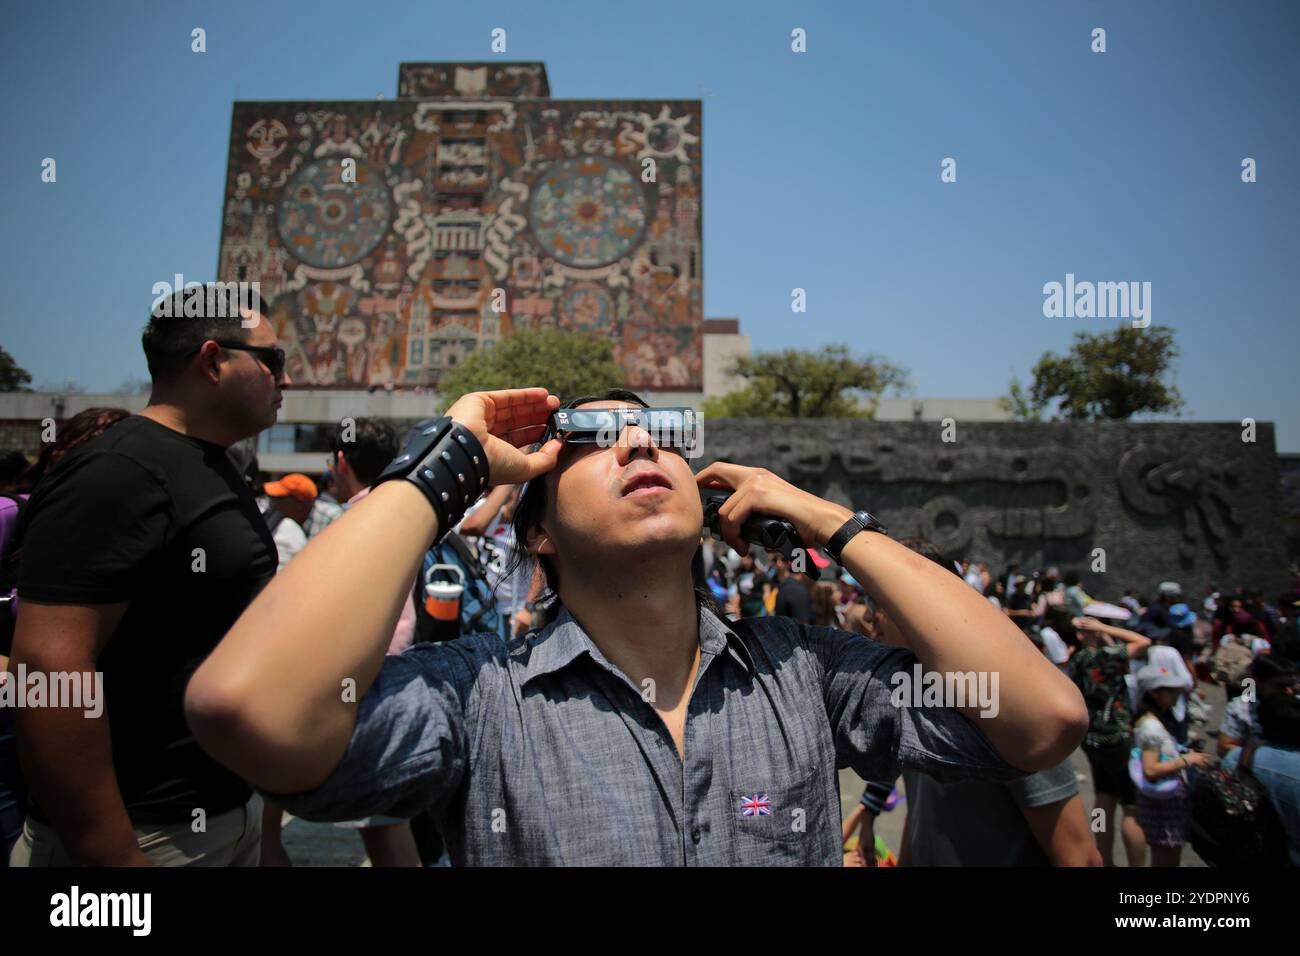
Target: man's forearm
point(476, 525)
point(951, 628)
point(68, 764)
point(276, 701)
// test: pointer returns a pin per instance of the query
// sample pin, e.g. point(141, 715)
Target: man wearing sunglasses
point(638, 727)
point(139, 551)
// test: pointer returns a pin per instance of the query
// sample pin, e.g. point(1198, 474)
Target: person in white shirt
point(361, 449)
point(290, 501)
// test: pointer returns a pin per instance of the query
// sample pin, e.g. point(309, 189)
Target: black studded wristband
point(447, 463)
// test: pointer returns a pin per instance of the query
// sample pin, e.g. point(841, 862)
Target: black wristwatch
point(446, 462)
point(859, 522)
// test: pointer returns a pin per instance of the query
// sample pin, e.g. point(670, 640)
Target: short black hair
point(1271, 666)
point(611, 395)
point(12, 465)
point(1060, 620)
point(372, 446)
point(180, 323)
point(1279, 720)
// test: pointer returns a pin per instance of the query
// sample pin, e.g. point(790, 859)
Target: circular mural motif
point(328, 223)
point(663, 136)
point(587, 307)
point(587, 212)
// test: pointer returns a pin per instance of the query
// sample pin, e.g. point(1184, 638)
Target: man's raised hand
point(506, 421)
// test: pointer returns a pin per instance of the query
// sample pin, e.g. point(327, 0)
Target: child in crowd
point(1164, 809)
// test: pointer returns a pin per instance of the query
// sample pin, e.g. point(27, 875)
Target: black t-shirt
point(147, 515)
point(793, 600)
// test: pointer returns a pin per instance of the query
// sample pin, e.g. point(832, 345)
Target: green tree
point(568, 363)
point(798, 383)
point(13, 377)
point(1109, 375)
point(1019, 404)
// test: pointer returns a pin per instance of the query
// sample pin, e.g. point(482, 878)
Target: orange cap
point(291, 486)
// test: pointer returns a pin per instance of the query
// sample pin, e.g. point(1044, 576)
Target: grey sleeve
point(877, 726)
point(1047, 786)
point(411, 742)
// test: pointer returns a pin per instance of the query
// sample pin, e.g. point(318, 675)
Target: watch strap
point(858, 522)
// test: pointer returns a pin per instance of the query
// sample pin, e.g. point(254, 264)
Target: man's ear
point(209, 359)
point(539, 542)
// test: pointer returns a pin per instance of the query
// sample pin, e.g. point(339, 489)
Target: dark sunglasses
point(272, 357)
point(678, 429)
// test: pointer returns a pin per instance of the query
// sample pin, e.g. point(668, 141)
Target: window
point(276, 439)
point(284, 438)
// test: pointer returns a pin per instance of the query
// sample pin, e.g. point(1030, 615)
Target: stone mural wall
point(1190, 503)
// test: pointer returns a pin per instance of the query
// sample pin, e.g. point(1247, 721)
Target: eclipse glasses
point(678, 429)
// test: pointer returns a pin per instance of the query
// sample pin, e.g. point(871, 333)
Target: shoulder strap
point(273, 518)
point(461, 547)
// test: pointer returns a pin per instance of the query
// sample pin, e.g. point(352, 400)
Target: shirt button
point(696, 835)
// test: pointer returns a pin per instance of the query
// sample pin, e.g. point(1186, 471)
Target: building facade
point(394, 238)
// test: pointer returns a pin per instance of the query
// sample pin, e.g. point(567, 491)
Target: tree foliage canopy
point(800, 383)
point(568, 363)
point(1106, 376)
point(13, 377)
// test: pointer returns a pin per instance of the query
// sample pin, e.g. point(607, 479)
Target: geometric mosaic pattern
point(469, 217)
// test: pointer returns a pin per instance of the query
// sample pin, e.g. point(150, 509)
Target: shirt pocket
point(775, 821)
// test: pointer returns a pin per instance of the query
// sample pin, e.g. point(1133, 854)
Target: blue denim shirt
point(1278, 769)
point(541, 752)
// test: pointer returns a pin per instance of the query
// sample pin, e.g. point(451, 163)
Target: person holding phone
point(638, 727)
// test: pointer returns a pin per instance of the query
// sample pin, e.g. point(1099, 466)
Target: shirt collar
point(562, 641)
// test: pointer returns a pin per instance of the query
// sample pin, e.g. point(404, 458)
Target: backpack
point(1099, 675)
point(478, 609)
point(1232, 664)
point(9, 578)
point(1233, 821)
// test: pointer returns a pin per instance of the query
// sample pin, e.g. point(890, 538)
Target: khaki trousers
point(233, 838)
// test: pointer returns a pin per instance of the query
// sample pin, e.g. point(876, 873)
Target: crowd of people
point(1144, 669)
point(506, 665)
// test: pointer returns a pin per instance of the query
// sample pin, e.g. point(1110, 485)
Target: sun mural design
point(328, 223)
point(588, 212)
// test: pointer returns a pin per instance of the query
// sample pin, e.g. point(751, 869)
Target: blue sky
point(821, 170)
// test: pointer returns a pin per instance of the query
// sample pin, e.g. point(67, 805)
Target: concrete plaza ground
point(323, 844)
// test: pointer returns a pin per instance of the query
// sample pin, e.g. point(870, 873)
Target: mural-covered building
point(395, 237)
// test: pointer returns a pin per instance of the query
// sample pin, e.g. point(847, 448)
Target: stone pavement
point(323, 844)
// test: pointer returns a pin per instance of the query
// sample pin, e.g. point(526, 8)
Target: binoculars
point(774, 534)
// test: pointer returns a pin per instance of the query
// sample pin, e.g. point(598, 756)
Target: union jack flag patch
point(756, 805)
